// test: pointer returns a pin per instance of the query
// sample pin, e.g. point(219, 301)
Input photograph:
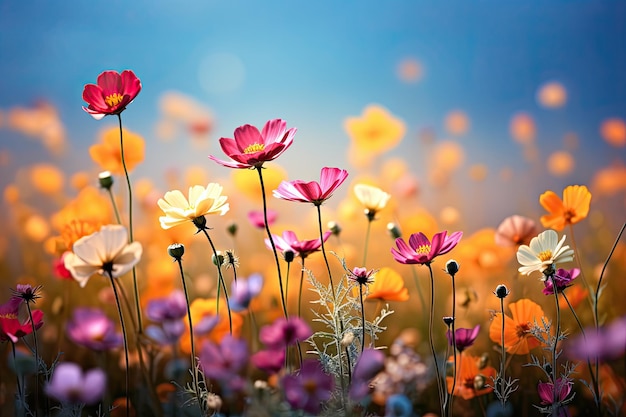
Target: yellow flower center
point(255, 147)
point(8, 316)
point(113, 99)
point(546, 255)
point(423, 249)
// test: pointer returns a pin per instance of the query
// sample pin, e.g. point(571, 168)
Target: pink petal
point(93, 95)
point(331, 178)
point(418, 239)
point(247, 135)
point(131, 84)
point(110, 82)
point(310, 190)
point(273, 131)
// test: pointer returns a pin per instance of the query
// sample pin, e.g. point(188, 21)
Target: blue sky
point(316, 63)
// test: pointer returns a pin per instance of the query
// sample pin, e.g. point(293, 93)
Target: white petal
point(176, 199)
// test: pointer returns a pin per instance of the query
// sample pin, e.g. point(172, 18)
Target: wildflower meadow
point(241, 288)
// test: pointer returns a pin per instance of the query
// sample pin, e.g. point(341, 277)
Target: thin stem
point(119, 310)
point(367, 239)
point(287, 285)
point(419, 287)
point(130, 222)
point(582, 274)
point(20, 394)
point(300, 289)
point(32, 323)
point(271, 239)
point(503, 362)
point(362, 318)
point(114, 204)
point(555, 390)
point(221, 280)
point(453, 342)
point(430, 338)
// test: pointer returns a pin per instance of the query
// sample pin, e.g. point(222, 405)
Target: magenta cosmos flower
point(289, 242)
point(463, 338)
point(251, 148)
point(112, 93)
point(546, 395)
point(284, 332)
point(15, 321)
point(421, 251)
point(308, 389)
point(312, 192)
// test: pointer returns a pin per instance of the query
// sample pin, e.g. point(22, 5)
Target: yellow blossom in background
point(36, 228)
point(560, 163)
point(479, 252)
point(90, 204)
point(552, 95)
point(107, 154)
point(247, 181)
point(376, 131)
point(203, 309)
point(457, 122)
point(419, 220)
point(522, 128)
point(202, 201)
point(613, 131)
point(388, 286)
point(573, 208)
point(47, 178)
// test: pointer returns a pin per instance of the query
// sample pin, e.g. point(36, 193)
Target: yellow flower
point(247, 181)
point(108, 154)
point(202, 201)
point(377, 131)
point(373, 198)
point(573, 208)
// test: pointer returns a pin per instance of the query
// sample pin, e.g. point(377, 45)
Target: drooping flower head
point(373, 199)
point(112, 93)
point(463, 338)
point(308, 389)
point(202, 201)
point(289, 242)
point(14, 319)
point(312, 192)
point(71, 386)
point(106, 252)
point(251, 148)
point(573, 208)
point(518, 339)
point(93, 329)
point(544, 253)
point(421, 251)
point(515, 230)
point(561, 278)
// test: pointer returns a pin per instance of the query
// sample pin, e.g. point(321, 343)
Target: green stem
point(130, 222)
point(119, 310)
point(451, 397)
point(271, 239)
point(503, 362)
point(430, 338)
point(32, 323)
point(221, 280)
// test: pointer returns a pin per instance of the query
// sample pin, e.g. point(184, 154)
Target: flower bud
point(176, 251)
point(394, 230)
point(452, 267)
point(289, 255)
point(334, 228)
point(448, 320)
point(217, 260)
point(501, 291)
point(370, 214)
point(347, 339)
point(105, 179)
point(200, 223)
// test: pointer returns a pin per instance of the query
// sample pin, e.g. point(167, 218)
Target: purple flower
point(562, 279)
point(361, 275)
point(173, 307)
point(308, 389)
point(289, 242)
point(224, 361)
point(91, 328)
point(70, 385)
point(463, 338)
point(168, 333)
point(546, 394)
point(284, 332)
point(370, 363)
point(608, 343)
point(244, 290)
point(270, 361)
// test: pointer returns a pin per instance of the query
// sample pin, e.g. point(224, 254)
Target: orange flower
point(107, 153)
point(573, 208)
point(471, 380)
point(575, 295)
point(204, 308)
point(388, 286)
point(517, 337)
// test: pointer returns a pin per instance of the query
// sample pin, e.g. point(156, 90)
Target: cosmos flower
point(251, 148)
point(112, 93)
point(244, 290)
point(309, 388)
point(546, 394)
point(421, 251)
point(545, 252)
point(284, 332)
point(289, 242)
point(93, 329)
point(369, 364)
point(463, 338)
point(373, 198)
point(471, 380)
point(106, 252)
point(361, 276)
point(172, 307)
point(517, 337)
point(269, 360)
point(573, 208)
point(562, 278)
point(225, 360)
point(312, 192)
point(257, 218)
point(70, 385)
point(14, 319)
point(388, 286)
point(202, 201)
point(515, 230)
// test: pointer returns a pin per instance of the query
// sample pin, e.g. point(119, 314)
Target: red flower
point(251, 148)
point(421, 251)
point(312, 192)
point(14, 320)
point(112, 93)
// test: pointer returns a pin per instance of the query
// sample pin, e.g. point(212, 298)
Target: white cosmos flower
point(544, 251)
point(202, 201)
point(373, 198)
point(104, 252)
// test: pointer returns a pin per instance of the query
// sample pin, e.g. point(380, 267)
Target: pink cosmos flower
point(14, 320)
point(562, 278)
point(289, 242)
point(546, 394)
point(70, 385)
point(463, 338)
point(251, 148)
point(270, 361)
point(421, 251)
point(312, 192)
point(515, 231)
point(257, 218)
point(370, 363)
point(284, 332)
point(308, 389)
point(112, 93)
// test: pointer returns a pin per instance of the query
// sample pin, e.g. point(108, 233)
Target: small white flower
point(106, 252)
point(544, 251)
point(202, 201)
point(373, 198)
